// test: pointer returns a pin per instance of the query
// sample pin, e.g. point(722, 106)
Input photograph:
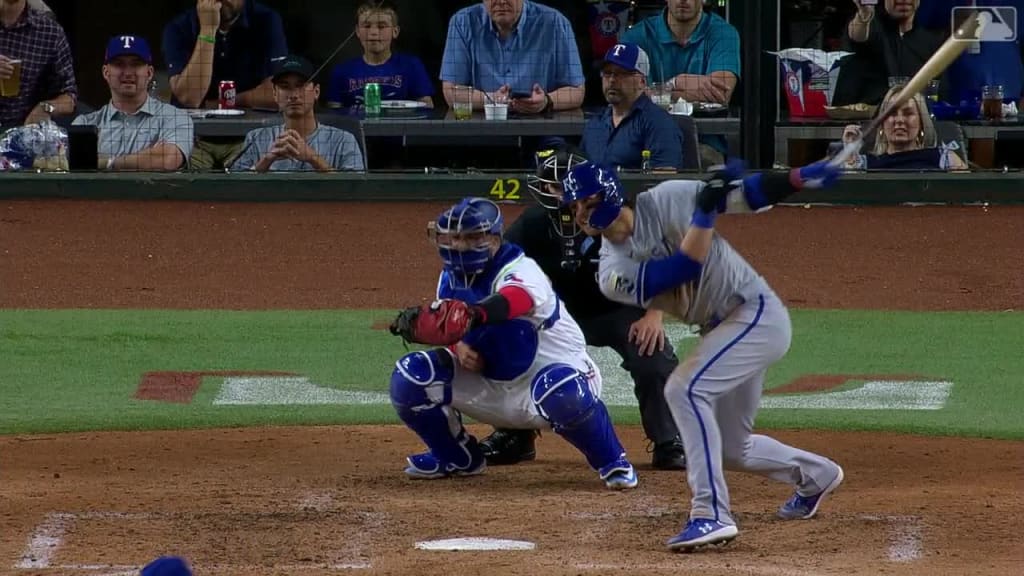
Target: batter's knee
point(422, 380)
point(562, 395)
point(678, 385)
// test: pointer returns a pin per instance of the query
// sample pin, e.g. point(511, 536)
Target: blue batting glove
point(818, 175)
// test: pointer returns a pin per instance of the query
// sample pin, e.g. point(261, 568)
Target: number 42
point(507, 189)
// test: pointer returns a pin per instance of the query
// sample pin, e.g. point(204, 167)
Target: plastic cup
point(463, 105)
point(10, 87)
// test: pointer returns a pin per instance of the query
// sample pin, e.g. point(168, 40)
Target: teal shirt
point(713, 47)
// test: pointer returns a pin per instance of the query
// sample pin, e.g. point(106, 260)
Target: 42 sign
point(506, 189)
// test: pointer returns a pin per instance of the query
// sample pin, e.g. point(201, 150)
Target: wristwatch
point(47, 107)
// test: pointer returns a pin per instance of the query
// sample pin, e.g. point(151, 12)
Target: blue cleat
point(619, 475)
point(426, 466)
point(804, 507)
point(702, 532)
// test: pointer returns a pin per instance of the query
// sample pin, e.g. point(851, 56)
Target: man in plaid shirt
point(47, 77)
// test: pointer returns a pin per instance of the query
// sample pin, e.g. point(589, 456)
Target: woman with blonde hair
point(906, 140)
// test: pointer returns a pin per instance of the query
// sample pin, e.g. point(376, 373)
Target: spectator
point(237, 40)
point(698, 54)
point(515, 48)
point(893, 42)
point(301, 143)
point(401, 76)
point(907, 141)
point(137, 132)
point(632, 123)
point(47, 77)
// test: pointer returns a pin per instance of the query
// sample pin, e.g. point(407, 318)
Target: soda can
point(371, 98)
point(228, 94)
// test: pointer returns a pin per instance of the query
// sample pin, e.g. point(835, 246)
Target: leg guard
point(563, 397)
point(421, 392)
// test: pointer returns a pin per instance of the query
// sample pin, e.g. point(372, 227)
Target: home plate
point(458, 544)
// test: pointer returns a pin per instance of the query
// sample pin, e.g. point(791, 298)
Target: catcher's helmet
point(588, 179)
point(461, 235)
point(552, 166)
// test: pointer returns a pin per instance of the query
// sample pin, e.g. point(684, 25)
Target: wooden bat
point(972, 27)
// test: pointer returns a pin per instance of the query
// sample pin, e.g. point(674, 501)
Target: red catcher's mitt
point(440, 323)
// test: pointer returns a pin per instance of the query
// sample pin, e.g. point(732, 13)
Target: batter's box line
point(48, 536)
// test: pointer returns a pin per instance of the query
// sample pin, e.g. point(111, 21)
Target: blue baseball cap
point(630, 57)
point(128, 46)
point(167, 566)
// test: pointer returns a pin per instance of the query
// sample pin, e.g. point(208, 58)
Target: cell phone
point(868, 2)
point(520, 95)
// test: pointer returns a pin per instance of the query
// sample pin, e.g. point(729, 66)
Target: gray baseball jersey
point(714, 395)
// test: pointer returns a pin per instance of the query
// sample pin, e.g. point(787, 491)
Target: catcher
point(508, 354)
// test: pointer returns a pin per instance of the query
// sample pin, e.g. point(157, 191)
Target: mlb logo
point(998, 23)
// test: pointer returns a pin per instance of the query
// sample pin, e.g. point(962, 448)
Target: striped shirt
point(121, 134)
point(46, 67)
point(336, 146)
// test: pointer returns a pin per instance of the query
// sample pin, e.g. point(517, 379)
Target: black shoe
point(504, 447)
point(669, 455)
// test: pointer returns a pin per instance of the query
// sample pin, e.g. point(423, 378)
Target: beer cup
point(10, 87)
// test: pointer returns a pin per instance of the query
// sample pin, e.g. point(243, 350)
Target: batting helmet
point(588, 179)
point(461, 234)
point(546, 187)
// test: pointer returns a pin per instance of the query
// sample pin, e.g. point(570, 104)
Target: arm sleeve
point(64, 80)
point(568, 69)
point(178, 130)
point(250, 153)
point(456, 62)
point(347, 155)
point(725, 51)
point(637, 283)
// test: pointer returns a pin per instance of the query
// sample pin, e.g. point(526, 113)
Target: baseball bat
point(972, 27)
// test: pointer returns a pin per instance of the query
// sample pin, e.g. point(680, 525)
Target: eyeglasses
point(609, 74)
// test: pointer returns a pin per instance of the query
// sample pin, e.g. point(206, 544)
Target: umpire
point(548, 234)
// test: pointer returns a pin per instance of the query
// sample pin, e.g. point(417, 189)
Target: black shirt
point(902, 55)
point(534, 232)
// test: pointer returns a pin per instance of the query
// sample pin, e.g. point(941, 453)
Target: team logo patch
point(608, 24)
point(622, 284)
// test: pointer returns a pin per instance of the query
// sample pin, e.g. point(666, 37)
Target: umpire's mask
point(546, 187)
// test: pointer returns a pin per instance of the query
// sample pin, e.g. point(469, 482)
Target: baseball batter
point(513, 356)
point(662, 252)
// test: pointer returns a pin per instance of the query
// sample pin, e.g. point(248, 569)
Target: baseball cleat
point(702, 532)
point(804, 507)
point(426, 466)
point(619, 475)
point(506, 447)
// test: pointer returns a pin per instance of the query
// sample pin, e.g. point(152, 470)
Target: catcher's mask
point(463, 235)
point(588, 180)
point(546, 187)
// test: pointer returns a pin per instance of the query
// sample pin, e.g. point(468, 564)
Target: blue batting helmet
point(589, 179)
point(461, 235)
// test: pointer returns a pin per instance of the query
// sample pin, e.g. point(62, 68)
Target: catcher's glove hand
point(440, 323)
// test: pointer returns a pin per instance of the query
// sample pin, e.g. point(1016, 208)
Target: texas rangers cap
point(128, 46)
point(630, 57)
point(294, 65)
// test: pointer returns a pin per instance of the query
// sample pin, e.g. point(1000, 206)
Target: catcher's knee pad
point(563, 397)
point(422, 380)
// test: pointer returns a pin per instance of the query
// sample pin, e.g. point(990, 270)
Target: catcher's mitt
point(440, 323)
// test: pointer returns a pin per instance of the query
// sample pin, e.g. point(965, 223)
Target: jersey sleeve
point(524, 273)
point(619, 276)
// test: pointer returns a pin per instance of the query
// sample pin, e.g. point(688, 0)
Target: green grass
point(74, 370)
